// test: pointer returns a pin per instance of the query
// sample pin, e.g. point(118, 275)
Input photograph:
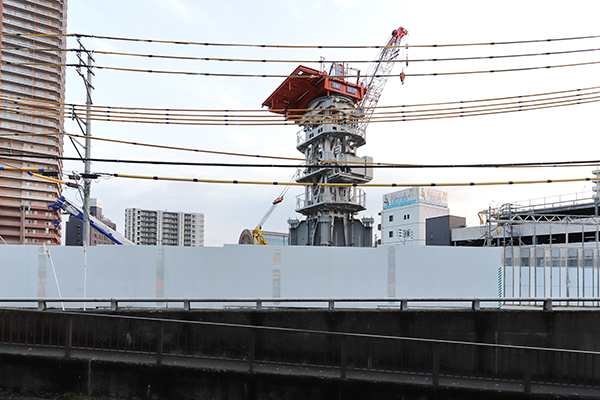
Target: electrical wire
point(447, 184)
point(466, 108)
point(280, 46)
point(297, 61)
point(323, 164)
point(307, 76)
point(161, 111)
point(403, 116)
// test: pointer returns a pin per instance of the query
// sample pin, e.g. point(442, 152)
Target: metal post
point(343, 358)
point(159, 346)
point(252, 350)
point(489, 227)
point(528, 366)
point(436, 365)
point(88, 133)
point(68, 337)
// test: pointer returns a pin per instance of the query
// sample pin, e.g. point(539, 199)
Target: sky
point(550, 135)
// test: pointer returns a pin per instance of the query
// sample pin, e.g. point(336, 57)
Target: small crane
point(256, 232)
point(69, 208)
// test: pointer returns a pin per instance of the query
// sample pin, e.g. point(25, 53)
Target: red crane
point(376, 77)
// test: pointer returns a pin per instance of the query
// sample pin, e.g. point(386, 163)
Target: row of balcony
point(46, 68)
point(32, 21)
point(45, 41)
point(29, 188)
point(29, 83)
point(19, 70)
point(37, 7)
point(38, 234)
point(29, 119)
point(19, 90)
point(29, 49)
point(24, 152)
point(26, 43)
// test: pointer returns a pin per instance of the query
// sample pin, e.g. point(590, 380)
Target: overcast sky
point(555, 134)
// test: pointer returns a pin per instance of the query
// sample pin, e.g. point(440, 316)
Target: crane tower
point(333, 110)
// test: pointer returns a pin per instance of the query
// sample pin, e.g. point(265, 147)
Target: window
point(391, 218)
point(391, 233)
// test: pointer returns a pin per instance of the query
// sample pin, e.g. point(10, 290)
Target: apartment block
point(164, 228)
point(30, 97)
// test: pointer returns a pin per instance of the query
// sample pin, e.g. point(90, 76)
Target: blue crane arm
point(70, 208)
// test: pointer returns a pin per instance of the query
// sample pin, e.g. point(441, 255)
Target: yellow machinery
point(256, 233)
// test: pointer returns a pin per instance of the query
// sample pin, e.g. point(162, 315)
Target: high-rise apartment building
point(164, 228)
point(30, 95)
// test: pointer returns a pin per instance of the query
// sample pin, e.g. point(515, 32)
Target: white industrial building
point(405, 211)
point(164, 228)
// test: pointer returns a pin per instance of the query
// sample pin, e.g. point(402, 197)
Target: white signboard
point(415, 195)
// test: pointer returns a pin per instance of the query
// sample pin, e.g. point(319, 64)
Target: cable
point(397, 117)
point(109, 114)
point(276, 157)
point(229, 75)
point(279, 46)
point(454, 184)
point(293, 61)
point(323, 164)
point(24, 101)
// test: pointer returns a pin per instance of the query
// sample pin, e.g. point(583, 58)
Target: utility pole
point(87, 80)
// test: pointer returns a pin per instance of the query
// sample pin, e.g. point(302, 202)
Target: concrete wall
point(238, 271)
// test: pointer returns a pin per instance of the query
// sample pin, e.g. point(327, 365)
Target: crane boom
point(256, 232)
point(377, 75)
point(70, 208)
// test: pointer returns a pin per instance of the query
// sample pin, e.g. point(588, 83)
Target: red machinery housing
point(305, 84)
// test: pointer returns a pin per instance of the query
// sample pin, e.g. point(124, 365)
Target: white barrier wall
point(244, 271)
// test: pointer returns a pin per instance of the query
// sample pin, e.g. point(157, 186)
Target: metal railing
point(303, 352)
point(546, 304)
point(353, 196)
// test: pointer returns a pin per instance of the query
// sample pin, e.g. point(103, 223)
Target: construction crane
point(334, 112)
point(377, 76)
point(71, 209)
point(256, 232)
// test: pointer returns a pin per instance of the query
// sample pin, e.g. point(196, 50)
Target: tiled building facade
point(29, 96)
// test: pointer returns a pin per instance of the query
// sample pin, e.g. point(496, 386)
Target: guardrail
point(547, 304)
point(303, 352)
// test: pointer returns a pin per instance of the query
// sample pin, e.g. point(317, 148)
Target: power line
point(407, 184)
point(281, 46)
point(53, 104)
point(397, 117)
point(198, 117)
point(320, 164)
point(300, 61)
point(306, 76)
